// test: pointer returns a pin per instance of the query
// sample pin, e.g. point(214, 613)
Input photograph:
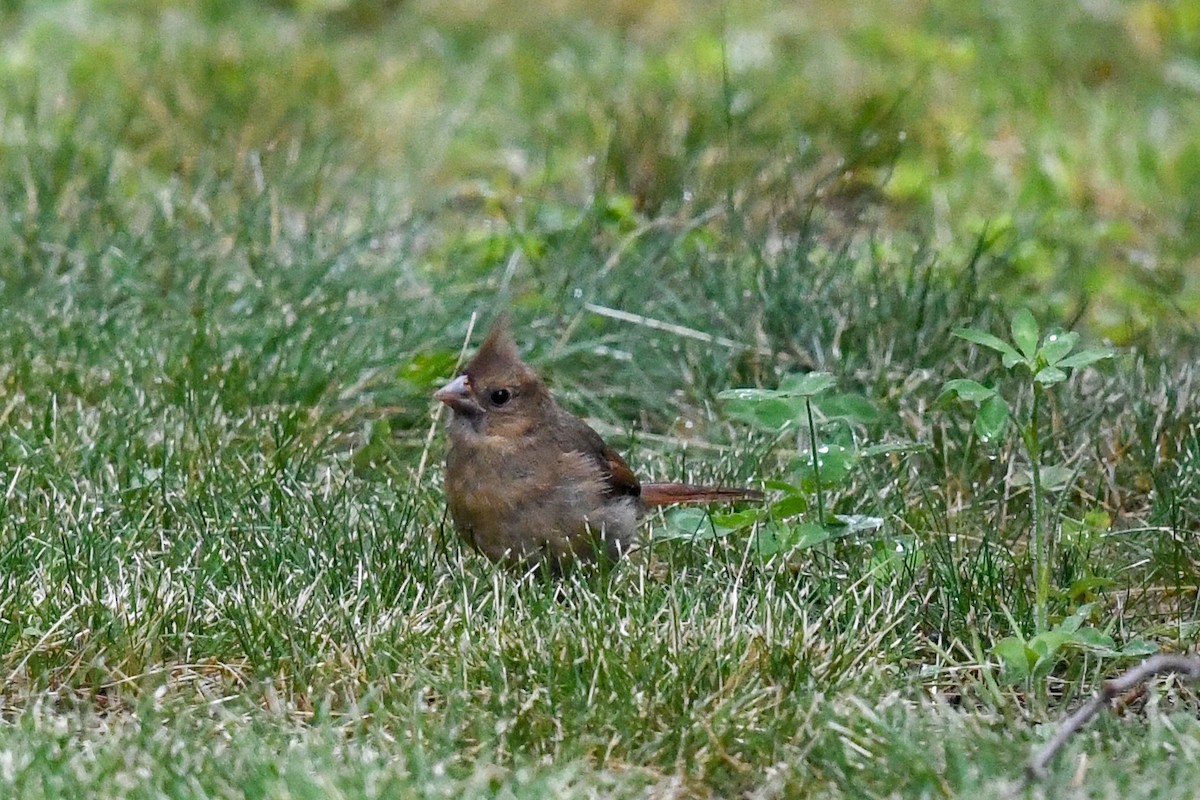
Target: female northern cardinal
point(530, 484)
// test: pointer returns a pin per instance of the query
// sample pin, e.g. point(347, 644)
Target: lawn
point(242, 244)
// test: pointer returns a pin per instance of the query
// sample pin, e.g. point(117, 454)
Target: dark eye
point(500, 396)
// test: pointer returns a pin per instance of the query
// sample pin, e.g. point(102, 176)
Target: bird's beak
point(457, 395)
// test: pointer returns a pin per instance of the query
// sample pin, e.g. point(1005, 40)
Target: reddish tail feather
point(661, 494)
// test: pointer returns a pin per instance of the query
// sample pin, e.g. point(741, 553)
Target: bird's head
point(496, 392)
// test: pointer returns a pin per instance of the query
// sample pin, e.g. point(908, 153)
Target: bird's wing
point(618, 477)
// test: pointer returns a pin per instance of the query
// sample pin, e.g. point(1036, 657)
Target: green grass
point(240, 245)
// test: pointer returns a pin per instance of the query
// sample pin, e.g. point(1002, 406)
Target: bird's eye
point(500, 396)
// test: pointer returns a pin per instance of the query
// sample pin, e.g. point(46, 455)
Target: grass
point(240, 245)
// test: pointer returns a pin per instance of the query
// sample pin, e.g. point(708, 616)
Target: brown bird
point(531, 485)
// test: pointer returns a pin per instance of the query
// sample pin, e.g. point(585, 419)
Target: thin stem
point(816, 461)
point(1039, 538)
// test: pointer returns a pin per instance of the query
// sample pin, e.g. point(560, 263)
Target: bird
point(532, 486)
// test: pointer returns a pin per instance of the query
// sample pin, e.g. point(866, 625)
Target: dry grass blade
point(678, 330)
point(437, 412)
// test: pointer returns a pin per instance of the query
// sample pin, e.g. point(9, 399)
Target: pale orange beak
point(457, 394)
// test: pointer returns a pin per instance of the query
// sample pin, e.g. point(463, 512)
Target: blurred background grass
point(1064, 135)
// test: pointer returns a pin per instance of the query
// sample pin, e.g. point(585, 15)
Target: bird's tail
point(661, 494)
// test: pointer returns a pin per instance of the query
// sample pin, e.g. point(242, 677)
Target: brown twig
point(1186, 666)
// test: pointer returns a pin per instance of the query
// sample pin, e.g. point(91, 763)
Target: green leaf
point(992, 419)
point(810, 534)
point(689, 524)
point(1015, 657)
point(748, 395)
point(769, 541)
point(779, 406)
point(1096, 641)
point(1083, 532)
point(892, 553)
point(1047, 643)
point(834, 462)
point(782, 486)
point(1085, 357)
point(1048, 376)
point(1086, 587)
point(1138, 647)
point(857, 523)
point(1025, 333)
point(1055, 478)
point(808, 384)
point(790, 506)
point(1075, 621)
point(1057, 345)
point(989, 341)
point(969, 390)
point(765, 413)
point(887, 448)
point(737, 519)
point(853, 407)
point(1048, 646)
point(782, 538)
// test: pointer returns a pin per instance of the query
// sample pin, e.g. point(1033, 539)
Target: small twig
point(437, 412)
point(1187, 667)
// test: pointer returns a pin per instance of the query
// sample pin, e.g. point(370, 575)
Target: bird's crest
point(498, 360)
